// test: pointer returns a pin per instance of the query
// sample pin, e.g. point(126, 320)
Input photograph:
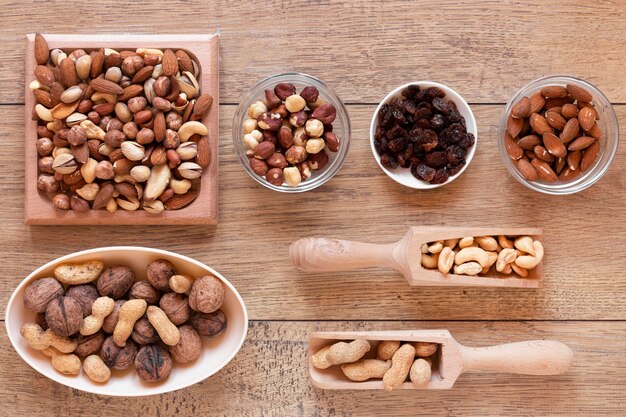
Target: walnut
point(85, 294)
point(64, 316)
point(89, 345)
point(40, 319)
point(40, 292)
point(144, 291)
point(176, 307)
point(209, 324)
point(189, 347)
point(144, 333)
point(159, 273)
point(115, 281)
point(116, 357)
point(153, 363)
point(111, 320)
point(207, 294)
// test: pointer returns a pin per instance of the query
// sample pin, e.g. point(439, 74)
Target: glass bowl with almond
point(558, 135)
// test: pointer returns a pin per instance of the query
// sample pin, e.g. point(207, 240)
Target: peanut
point(340, 352)
point(400, 366)
point(66, 363)
point(130, 312)
point(319, 360)
point(364, 369)
point(95, 369)
point(181, 284)
point(168, 332)
point(101, 308)
point(40, 340)
point(75, 274)
point(446, 260)
point(420, 373)
point(425, 349)
point(472, 254)
point(387, 348)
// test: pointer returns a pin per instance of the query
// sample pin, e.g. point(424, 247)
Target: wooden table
point(486, 51)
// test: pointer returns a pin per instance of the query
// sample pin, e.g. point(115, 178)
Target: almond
point(67, 73)
point(159, 155)
point(543, 170)
point(106, 86)
point(181, 200)
point(204, 152)
point(42, 52)
point(529, 142)
point(587, 118)
point(104, 109)
point(122, 166)
point(159, 126)
point(129, 92)
point(568, 174)
point(104, 195)
point(543, 154)
point(537, 102)
point(44, 98)
point(555, 119)
point(170, 63)
point(578, 93)
point(589, 156)
point(62, 110)
point(554, 145)
point(203, 105)
point(521, 108)
point(97, 62)
point(595, 131)
point(44, 75)
point(573, 159)
point(570, 131)
point(143, 74)
point(514, 126)
point(559, 165)
point(81, 152)
point(581, 143)
point(512, 148)
point(527, 170)
point(569, 110)
point(554, 91)
point(557, 102)
point(56, 91)
point(540, 124)
point(184, 62)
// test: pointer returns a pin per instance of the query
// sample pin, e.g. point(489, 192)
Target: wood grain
point(269, 378)
point(584, 276)
point(486, 51)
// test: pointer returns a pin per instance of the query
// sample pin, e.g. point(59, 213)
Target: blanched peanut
point(364, 369)
point(430, 261)
point(436, 247)
point(504, 242)
point(420, 373)
point(505, 257)
point(468, 268)
point(181, 284)
point(446, 260)
point(525, 244)
point(425, 349)
point(466, 242)
point(96, 369)
point(487, 243)
point(400, 367)
point(387, 348)
point(472, 254)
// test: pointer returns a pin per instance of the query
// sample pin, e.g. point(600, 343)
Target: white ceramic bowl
point(216, 353)
point(403, 175)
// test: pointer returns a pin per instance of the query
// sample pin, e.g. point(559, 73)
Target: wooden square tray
point(204, 49)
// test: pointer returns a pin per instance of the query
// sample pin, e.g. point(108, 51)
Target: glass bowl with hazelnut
point(291, 132)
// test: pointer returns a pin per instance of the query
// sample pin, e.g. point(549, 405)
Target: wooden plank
point(269, 377)
point(584, 278)
point(484, 50)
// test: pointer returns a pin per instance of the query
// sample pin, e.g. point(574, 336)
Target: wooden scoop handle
point(533, 357)
point(328, 255)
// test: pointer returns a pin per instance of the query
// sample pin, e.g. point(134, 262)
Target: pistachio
point(88, 191)
point(64, 163)
point(72, 94)
point(60, 150)
point(133, 151)
point(57, 56)
point(88, 170)
point(140, 173)
point(75, 119)
point(187, 150)
point(180, 186)
point(190, 170)
point(157, 71)
point(129, 205)
point(83, 67)
point(158, 181)
point(113, 74)
point(148, 89)
point(154, 206)
point(187, 84)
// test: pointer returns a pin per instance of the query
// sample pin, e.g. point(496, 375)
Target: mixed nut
point(102, 319)
point(553, 134)
point(423, 131)
point(394, 361)
point(481, 255)
point(287, 134)
point(119, 129)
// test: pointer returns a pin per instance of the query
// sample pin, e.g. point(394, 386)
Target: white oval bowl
point(216, 353)
point(403, 175)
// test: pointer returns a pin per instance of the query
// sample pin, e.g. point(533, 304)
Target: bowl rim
point(450, 94)
point(332, 169)
point(161, 389)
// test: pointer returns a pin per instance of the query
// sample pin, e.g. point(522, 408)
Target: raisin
point(397, 131)
point(408, 152)
point(423, 172)
point(455, 117)
point(411, 91)
point(397, 145)
point(398, 115)
point(467, 141)
point(436, 159)
point(423, 123)
point(428, 140)
point(388, 161)
point(437, 122)
point(440, 105)
point(453, 170)
point(441, 176)
point(414, 160)
point(423, 113)
point(435, 92)
point(402, 162)
point(410, 107)
point(455, 154)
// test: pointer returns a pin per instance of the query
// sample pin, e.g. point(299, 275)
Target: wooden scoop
point(330, 255)
point(533, 357)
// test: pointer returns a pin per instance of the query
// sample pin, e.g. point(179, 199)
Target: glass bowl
point(341, 127)
point(607, 122)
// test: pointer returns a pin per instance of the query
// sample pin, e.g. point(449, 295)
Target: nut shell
point(189, 347)
point(143, 290)
point(207, 294)
point(64, 315)
point(209, 324)
point(159, 273)
point(115, 281)
point(153, 363)
point(89, 345)
point(176, 307)
point(116, 357)
point(110, 321)
point(85, 294)
point(144, 333)
point(40, 292)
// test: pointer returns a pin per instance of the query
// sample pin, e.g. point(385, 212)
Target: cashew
point(507, 269)
point(529, 262)
point(92, 131)
point(472, 254)
point(181, 284)
point(40, 340)
point(522, 272)
point(525, 244)
point(89, 191)
point(451, 243)
point(446, 260)
point(158, 181)
point(75, 274)
point(505, 257)
point(425, 349)
point(400, 366)
point(103, 97)
point(420, 373)
point(505, 242)
point(424, 247)
point(143, 52)
point(487, 243)
point(386, 349)
point(66, 363)
point(430, 261)
point(96, 369)
point(88, 170)
point(436, 247)
point(43, 113)
point(101, 308)
point(191, 128)
point(466, 242)
point(468, 268)
point(130, 312)
point(493, 258)
point(168, 332)
point(364, 369)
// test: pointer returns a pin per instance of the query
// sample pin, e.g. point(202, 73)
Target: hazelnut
point(172, 139)
point(114, 138)
point(173, 120)
point(64, 315)
point(292, 176)
point(314, 146)
point(209, 324)
point(282, 110)
point(159, 273)
point(115, 281)
point(305, 170)
point(207, 294)
point(314, 128)
point(137, 104)
point(256, 109)
point(116, 357)
point(296, 154)
point(130, 129)
point(332, 141)
point(85, 294)
point(176, 307)
point(257, 135)
point(248, 126)
point(264, 150)
point(325, 113)
point(144, 333)
point(284, 90)
point(61, 202)
point(44, 146)
point(258, 166)
point(189, 347)
point(275, 176)
point(131, 65)
point(250, 141)
point(40, 292)
point(300, 137)
point(110, 321)
point(285, 137)
point(40, 319)
point(45, 165)
point(89, 345)
point(271, 99)
point(270, 121)
point(104, 170)
point(143, 290)
point(298, 119)
point(277, 160)
point(295, 103)
point(318, 160)
point(47, 183)
point(78, 204)
point(114, 124)
point(162, 86)
point(77, 136)
point(153, 363)
point(309, 94)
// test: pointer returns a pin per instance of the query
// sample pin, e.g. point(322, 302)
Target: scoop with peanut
point(392, 361)
point(483, 255)
point(99, 318)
